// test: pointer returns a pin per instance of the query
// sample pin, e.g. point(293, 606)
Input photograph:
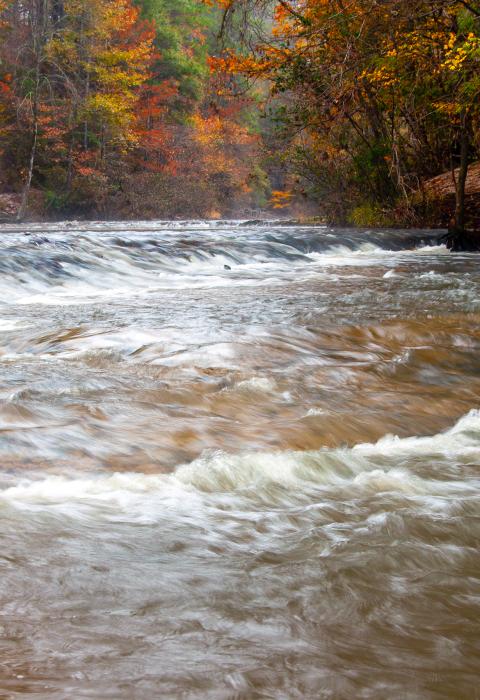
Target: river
point(238, 461)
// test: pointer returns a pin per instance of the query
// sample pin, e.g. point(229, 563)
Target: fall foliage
point(374, 98)
point(108, 107)
point(144, 108)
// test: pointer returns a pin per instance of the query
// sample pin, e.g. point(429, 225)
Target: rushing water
point(238, 461)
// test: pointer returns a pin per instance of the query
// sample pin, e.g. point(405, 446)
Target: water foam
point(256, 385)
point(85, 264)
point(387, 465)
point(11, 325)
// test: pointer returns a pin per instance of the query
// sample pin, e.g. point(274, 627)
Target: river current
point(238, 461)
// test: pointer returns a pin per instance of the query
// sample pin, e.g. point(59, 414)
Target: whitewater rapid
point(237, 460)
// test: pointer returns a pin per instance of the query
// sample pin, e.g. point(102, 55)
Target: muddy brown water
point(256, 482)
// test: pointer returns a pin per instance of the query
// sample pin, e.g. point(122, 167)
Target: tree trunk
point(458, 238)
point(39, 27)
point(462, 178)
point(22, 210)
point(71, 149)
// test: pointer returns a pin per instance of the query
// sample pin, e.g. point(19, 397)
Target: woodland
point(354, 112)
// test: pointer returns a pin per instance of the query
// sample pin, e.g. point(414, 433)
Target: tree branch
point(306, 22)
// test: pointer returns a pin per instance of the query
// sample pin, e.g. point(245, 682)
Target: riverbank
point(435, 215)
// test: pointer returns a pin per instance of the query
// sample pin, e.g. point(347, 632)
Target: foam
point(117, 261)
point(11, 325)
point(257, 385)
point(365, 468)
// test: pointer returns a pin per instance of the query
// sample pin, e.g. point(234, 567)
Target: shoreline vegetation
point(360, 115)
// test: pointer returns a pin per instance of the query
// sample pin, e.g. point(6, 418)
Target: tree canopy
point(152, 107)
point(109, 107)
point(378, 97)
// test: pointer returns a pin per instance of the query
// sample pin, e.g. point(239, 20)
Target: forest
point(358, 112)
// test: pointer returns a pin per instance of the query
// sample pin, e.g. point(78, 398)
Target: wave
point(390, 465)
point(73, 263)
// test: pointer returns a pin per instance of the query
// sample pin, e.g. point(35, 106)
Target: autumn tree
point(111, 106)
point(75, 94)
point(377, 97)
